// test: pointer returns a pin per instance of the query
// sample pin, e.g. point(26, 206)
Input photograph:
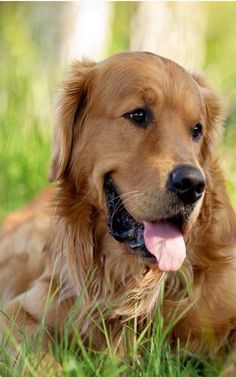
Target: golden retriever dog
point(139, 212)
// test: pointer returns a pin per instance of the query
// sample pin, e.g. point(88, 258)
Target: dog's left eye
point(138, 116)
point(197, 131)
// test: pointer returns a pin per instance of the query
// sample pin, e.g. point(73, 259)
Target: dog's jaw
point(123, 226)
point(125, 229)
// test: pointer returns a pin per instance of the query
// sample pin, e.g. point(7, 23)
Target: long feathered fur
point(90, 266)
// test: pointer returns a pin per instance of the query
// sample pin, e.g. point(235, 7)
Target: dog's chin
point(126, 230)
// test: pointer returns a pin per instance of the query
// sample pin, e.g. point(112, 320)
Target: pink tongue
point(166, 243)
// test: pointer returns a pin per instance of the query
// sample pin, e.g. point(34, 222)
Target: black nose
point(187, 182)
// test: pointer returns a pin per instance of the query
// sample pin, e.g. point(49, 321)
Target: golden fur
point(65, 244)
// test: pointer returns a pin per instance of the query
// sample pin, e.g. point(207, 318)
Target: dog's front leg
point(32, 317)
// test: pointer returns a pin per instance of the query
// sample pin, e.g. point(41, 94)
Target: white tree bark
point(175, 30)
point(88, 30)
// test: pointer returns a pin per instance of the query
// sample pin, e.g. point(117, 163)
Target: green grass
point(149, 355)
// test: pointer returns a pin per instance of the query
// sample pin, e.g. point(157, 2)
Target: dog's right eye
point(138, 116)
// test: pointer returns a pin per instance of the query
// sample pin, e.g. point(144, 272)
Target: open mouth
point(144, 239)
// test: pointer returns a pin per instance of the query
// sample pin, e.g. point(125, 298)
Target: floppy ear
point(224, 222)
point(71, 102)
point(215, 109)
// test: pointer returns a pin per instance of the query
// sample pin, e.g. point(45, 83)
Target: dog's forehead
point(145, 76)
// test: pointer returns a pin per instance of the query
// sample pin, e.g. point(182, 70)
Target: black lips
point(122, 225)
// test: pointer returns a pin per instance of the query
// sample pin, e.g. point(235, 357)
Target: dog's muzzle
point(125, 229)
point(122, 225)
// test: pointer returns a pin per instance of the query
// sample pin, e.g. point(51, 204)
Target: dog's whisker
point(121, 204)
point(116, 197)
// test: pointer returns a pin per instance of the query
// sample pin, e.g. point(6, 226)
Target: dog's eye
point(138, 116)
point(197, 131)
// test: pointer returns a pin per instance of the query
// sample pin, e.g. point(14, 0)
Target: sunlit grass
point(149, 354)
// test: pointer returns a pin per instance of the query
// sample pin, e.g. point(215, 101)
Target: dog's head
point(138, 131)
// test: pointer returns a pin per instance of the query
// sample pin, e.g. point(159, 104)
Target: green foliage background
point(30, 73)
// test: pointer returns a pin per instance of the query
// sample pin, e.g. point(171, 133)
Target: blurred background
point(39, 39)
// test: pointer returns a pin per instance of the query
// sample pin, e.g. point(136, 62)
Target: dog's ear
point(70, 105)
point(215, 109)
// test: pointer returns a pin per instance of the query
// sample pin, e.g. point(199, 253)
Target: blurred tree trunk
point(87, 30)
point(175, 30)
